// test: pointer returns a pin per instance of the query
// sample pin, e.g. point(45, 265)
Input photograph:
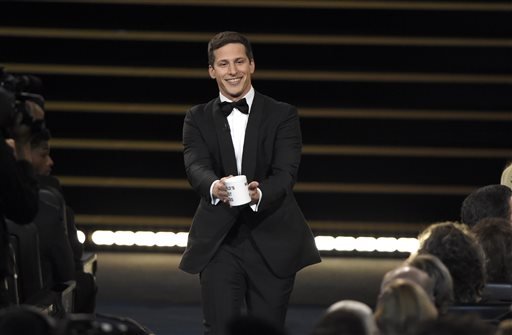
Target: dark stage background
point(405, 108)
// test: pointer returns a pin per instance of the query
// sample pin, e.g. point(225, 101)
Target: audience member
point(506, 175)
point(495, 236)
point(18, 187)
point(457, 247)
point(40, 152)
point(410, 273)
point(26, 320)
point(402, 307)
point(504, 327)
point(59, 244)
point(441, 278)
point(485, 202)
point(347, 317)
point(55, 249)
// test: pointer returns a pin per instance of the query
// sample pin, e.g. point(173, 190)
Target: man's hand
point(220, 191)
point(253, 192)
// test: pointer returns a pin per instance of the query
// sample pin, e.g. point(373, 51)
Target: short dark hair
point(227, 37)
point(443, 282)
point(487, 201)
point(458, 248)
point(41, 136)
point(495, 236)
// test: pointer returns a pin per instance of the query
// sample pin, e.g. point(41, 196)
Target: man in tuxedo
point(247, 256)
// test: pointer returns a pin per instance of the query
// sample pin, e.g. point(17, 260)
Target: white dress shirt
point(237, 124)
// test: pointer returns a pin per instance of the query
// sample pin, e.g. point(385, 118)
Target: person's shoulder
point(49, 181)
point(201, 108)
point(276, 104)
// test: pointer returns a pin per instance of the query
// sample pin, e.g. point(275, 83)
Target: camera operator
point(18, 186)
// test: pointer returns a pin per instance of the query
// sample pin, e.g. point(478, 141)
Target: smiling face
point(232, 70)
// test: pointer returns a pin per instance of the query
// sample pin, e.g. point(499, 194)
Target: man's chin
point(234, 95)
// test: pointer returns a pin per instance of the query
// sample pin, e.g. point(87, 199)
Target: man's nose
point(232, 68)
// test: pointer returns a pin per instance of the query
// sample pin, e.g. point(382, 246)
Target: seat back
point(56, 254)
point(62, 234)
point(55, 199)
point(493, 313)
point(11, 278)
point(497, 292)
point(24, 238)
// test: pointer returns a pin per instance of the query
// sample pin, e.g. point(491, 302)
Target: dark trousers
point(238, 277)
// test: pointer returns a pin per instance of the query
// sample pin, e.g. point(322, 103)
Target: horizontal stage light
point(366, 244)
point(323, 242)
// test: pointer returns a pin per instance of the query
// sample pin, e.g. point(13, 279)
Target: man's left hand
point(253, 192)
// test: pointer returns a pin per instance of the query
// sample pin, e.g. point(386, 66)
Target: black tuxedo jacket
point(271, 156)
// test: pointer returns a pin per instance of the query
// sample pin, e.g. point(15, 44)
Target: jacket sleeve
point(285, 160)
point(197, 158)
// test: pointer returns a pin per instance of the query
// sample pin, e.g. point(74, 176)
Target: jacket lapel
point(251, 138)
point(227, 152)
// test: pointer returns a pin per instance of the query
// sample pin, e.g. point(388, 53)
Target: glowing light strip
point(323, 243)
point(397, 5)
point(300, 75)
point(340, 113)
point(366, 244)
point(273, 38)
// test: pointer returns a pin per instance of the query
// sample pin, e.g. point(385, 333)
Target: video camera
point(15, 91)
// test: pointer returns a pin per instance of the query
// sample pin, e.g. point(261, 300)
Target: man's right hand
point(220, 191)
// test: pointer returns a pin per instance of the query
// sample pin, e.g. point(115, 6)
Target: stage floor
point(149, 288)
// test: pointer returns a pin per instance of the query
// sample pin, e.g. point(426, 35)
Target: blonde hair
point(402, 307)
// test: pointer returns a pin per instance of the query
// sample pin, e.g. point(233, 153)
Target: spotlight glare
point(145, 238)
point(345, 243)
point(181, 239)
point(408, 244)
point(103, 237)
point(165, 239)
point(126, 238)
point(325, 242)
point(386, 244)
point(366, 243)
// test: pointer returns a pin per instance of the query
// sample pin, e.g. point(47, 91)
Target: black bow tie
point(241, 105)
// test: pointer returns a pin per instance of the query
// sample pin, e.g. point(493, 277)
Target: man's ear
point(211, 71)
point(253, 66)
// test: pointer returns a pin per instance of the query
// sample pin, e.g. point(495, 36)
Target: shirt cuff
point(255, 206)
point(215, 201)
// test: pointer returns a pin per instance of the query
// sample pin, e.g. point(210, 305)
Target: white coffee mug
point(238, 190)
